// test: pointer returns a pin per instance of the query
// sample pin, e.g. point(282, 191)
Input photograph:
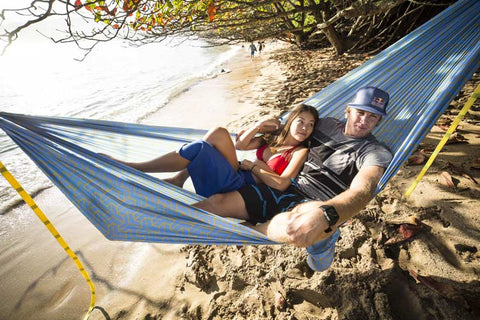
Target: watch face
point(330, 214)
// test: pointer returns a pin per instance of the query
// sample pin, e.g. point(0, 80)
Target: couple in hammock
point(306, 181)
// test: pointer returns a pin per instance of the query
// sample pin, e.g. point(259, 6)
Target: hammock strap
point(31, 203)
point(446, 136)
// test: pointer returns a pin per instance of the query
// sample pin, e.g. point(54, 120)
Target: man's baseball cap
point(371, 99)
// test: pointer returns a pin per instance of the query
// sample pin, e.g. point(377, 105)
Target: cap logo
point(378, 102)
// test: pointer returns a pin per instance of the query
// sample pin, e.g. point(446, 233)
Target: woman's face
point(302, 126)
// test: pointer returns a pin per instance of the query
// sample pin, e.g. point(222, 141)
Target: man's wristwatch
point(331, 215)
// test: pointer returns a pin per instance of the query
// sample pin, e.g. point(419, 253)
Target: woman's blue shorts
point(210, 172)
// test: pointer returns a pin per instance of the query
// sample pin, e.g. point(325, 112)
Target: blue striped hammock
point(423, 72)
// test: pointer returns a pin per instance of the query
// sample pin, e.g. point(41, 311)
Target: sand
point(434, 274)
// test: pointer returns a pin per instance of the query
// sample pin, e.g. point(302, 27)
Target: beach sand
point(434, 274)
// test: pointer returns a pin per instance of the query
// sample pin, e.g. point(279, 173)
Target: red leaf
point(406, 231)
point(78, 5)
point(444, 289)
point(416, 158)
point(211, 11)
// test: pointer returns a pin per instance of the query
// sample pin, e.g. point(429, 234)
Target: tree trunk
point(335, 40)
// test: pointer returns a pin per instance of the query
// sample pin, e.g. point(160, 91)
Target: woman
point(213, 165)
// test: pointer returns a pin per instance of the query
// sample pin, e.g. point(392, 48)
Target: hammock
point(423, 72)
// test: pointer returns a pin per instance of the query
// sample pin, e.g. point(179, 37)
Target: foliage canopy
point(344, 24)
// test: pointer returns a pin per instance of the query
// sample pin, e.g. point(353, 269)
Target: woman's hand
point(239, 134)
point(266, 126)
point(247, 139)
point(247, 165)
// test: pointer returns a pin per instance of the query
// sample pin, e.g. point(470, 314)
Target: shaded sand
point(377, 274)
point(415, 258)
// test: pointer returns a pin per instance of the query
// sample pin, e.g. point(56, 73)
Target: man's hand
point(306, 225)
point(301, 227)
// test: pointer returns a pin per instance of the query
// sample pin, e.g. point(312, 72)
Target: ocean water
point(115, 82)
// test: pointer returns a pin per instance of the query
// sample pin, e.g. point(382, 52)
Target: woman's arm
point(247, 140)
point(272, 179)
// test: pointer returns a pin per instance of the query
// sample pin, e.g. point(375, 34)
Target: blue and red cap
point(371, 99)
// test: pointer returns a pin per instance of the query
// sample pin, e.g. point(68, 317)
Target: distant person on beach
point(339, 178)
point(213, 165)
point(260, 47)
point(252, 50)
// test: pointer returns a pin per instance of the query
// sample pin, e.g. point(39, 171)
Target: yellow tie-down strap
point(28, 199)
point(441, 144)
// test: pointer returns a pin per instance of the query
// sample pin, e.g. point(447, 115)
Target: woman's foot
point(178, 179)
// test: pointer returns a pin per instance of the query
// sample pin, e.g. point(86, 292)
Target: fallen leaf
point(406, 231)
point(444, 121)
point(279, 301)
point(457, 138)
point(442, 127)
point(427, 150)
point(444, 289)
point(447, 180)
point(416, 158)
point(461, 171)
point(475, 164)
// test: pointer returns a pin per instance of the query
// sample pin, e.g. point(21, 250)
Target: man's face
point(360, 123)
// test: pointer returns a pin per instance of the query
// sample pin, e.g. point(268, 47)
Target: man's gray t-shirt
point(334, 160)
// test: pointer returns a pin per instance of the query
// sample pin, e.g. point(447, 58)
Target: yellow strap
point(28, 199)
point(445, 138)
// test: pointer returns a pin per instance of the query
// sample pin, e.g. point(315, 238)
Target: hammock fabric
point(423, 72)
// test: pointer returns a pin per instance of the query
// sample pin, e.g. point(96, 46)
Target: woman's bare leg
point(179, 178)
point(220, 139)
point(169, 162)
point(229, 204)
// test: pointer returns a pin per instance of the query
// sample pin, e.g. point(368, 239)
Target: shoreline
point(238, 74)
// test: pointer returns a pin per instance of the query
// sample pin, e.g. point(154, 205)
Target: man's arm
point(305, 224)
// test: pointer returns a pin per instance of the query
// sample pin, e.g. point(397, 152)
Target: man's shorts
point(263, 203)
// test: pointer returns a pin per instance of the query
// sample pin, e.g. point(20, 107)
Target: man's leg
point(303, 226)
point(276, 229)
point(229, 204)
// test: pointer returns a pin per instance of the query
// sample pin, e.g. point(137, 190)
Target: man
point(252, 50)
point(339, 178)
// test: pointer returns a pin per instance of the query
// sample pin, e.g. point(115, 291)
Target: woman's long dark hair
point(280, 138)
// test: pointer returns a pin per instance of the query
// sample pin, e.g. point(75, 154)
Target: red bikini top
point(278, 163)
